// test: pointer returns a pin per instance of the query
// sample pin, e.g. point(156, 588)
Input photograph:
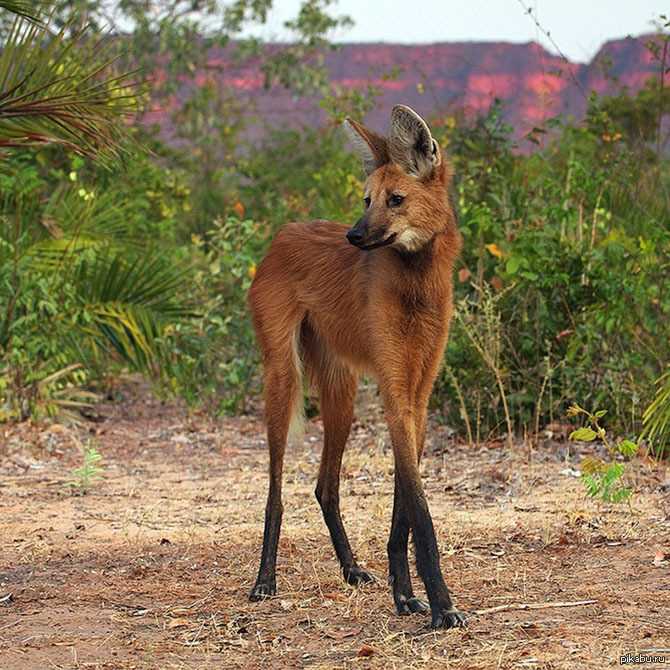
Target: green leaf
point(628, 448)
point(656, 418)
point(513, 264)
point(600, 413)
point(592, 485)
point(613, 472)
point(584, 434)
point(621, 494)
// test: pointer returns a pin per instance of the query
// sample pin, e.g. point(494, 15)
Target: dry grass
point(151, 568)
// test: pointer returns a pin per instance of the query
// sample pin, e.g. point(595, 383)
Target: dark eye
point(396, 200)
point(367, 202)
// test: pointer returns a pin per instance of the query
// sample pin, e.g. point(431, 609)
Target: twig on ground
point(9, 625)
point(533, 606)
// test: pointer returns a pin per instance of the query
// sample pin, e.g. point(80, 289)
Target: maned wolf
point(334, 303)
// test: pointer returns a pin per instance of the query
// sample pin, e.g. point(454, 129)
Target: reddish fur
point(385, 312)
point(356, 301)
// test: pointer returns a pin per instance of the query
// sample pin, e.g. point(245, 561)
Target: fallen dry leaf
point(236, 642)
point(497, 283)
point(238, 208)
point(335, 596)
point(366, 650)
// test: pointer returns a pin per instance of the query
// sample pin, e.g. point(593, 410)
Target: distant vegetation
point(141, 260)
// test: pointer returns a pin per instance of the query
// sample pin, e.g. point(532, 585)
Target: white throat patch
point(410, 239)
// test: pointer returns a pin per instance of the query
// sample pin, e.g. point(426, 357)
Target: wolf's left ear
point(411, 146)
point(371, 147)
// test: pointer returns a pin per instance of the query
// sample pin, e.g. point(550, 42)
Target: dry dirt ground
point(151, 568)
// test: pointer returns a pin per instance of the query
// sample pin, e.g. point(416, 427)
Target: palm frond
point(60, 394)
point(129, 303)
point(57, 376)
point(54, 254)
point(30, 10)
point(52, 90)
point(131, 331)
point(656, 418)
point(104, 216)
point(150, 282)
point(71, 224)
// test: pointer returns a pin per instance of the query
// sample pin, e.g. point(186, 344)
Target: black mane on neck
point(416, 261)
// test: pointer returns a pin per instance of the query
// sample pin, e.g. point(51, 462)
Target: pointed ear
point(411, 146)
point(372, 148)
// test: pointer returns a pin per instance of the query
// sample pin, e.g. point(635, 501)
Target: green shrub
point(213, 358)
point(83, 289)
point(574, 238)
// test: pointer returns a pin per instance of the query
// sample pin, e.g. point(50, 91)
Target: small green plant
point(90, 470)
point(602, 479)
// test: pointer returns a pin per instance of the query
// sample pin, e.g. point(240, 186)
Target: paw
point(263, 590)
point(411, 605)
point(355, 576)
point(448, 618)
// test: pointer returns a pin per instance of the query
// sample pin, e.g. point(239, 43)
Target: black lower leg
point(403, 595)
point(330, 506)
point(266, 584)
point(444, 615)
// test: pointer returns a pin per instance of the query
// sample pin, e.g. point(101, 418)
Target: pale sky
point(578, 27)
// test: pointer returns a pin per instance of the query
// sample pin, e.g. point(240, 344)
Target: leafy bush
point(213, 358)
point(81, 287)
point(573, 239)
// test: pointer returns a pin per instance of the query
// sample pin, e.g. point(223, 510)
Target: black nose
point(354, 236)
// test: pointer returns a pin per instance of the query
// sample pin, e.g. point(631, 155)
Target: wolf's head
point(405, 196)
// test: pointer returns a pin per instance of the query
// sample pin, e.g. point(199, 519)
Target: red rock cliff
point(433, 78)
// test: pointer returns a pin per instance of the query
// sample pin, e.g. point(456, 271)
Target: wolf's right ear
point(372, 148)
point(411, 145)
